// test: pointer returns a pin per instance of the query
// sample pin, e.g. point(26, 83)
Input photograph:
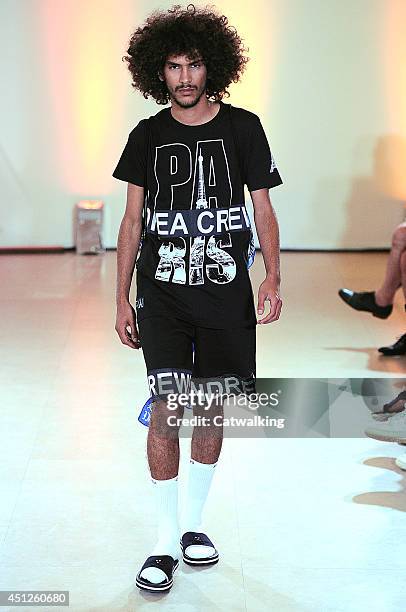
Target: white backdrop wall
point(325, 76)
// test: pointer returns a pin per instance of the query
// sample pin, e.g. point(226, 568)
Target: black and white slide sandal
point(193, 538)
point(167, 564)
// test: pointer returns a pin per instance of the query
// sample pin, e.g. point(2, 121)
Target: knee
point(165, 419)
point(210, 420)
point(399, 236)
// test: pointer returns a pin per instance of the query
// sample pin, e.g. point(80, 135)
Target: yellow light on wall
point(82, 44)
point(394, 50)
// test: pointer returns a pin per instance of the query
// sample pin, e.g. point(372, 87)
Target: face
point(185, 79)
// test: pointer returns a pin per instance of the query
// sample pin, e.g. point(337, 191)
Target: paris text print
point(203, 231)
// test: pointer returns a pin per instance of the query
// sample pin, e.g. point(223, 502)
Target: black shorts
point(178, 354)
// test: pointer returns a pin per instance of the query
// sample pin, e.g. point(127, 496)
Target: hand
point(126, 325)
point(269, 290)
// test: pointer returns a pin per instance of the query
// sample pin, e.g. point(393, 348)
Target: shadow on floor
point(376, 361)
point(386, 499)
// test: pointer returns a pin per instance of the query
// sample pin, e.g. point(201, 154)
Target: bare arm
point(268, 234)
point(127, 248)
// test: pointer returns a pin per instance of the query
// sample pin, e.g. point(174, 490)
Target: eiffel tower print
point(201, 201)
point(197, 245)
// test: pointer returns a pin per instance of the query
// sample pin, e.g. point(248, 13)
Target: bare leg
point(207, 440)
point(403, 272)
point(163, 441)
point(392, 281)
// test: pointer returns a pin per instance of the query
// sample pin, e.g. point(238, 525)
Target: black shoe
point(167, 564)
point(399, 348)
point(194, 538)
point(365, 300)
point(397, 404)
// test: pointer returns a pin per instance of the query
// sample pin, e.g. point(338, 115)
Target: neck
point(202, 112)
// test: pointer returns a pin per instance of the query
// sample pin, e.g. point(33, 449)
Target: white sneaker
point(393, 430)
point(401, 461)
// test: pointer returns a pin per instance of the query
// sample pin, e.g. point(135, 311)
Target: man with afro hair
point(186, 220)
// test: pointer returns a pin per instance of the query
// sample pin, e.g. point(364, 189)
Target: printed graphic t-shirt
point(193, 259)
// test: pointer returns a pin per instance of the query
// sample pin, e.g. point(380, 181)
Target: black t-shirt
point(194, 256)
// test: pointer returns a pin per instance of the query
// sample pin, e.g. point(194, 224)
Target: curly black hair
point(185, 31)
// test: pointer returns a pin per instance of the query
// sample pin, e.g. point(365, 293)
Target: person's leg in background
point(399, 346)
point(393, 278)
point(380, 302)
point(403, 273)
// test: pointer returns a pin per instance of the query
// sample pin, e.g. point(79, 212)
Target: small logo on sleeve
point(139, 303)
point(273, 165)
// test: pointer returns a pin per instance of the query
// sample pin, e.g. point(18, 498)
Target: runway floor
point(300, 524)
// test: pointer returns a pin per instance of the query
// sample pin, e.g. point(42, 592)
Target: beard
point(187, 103)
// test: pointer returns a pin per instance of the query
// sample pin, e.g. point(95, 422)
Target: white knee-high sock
point(200, 478)
point(166, 502)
